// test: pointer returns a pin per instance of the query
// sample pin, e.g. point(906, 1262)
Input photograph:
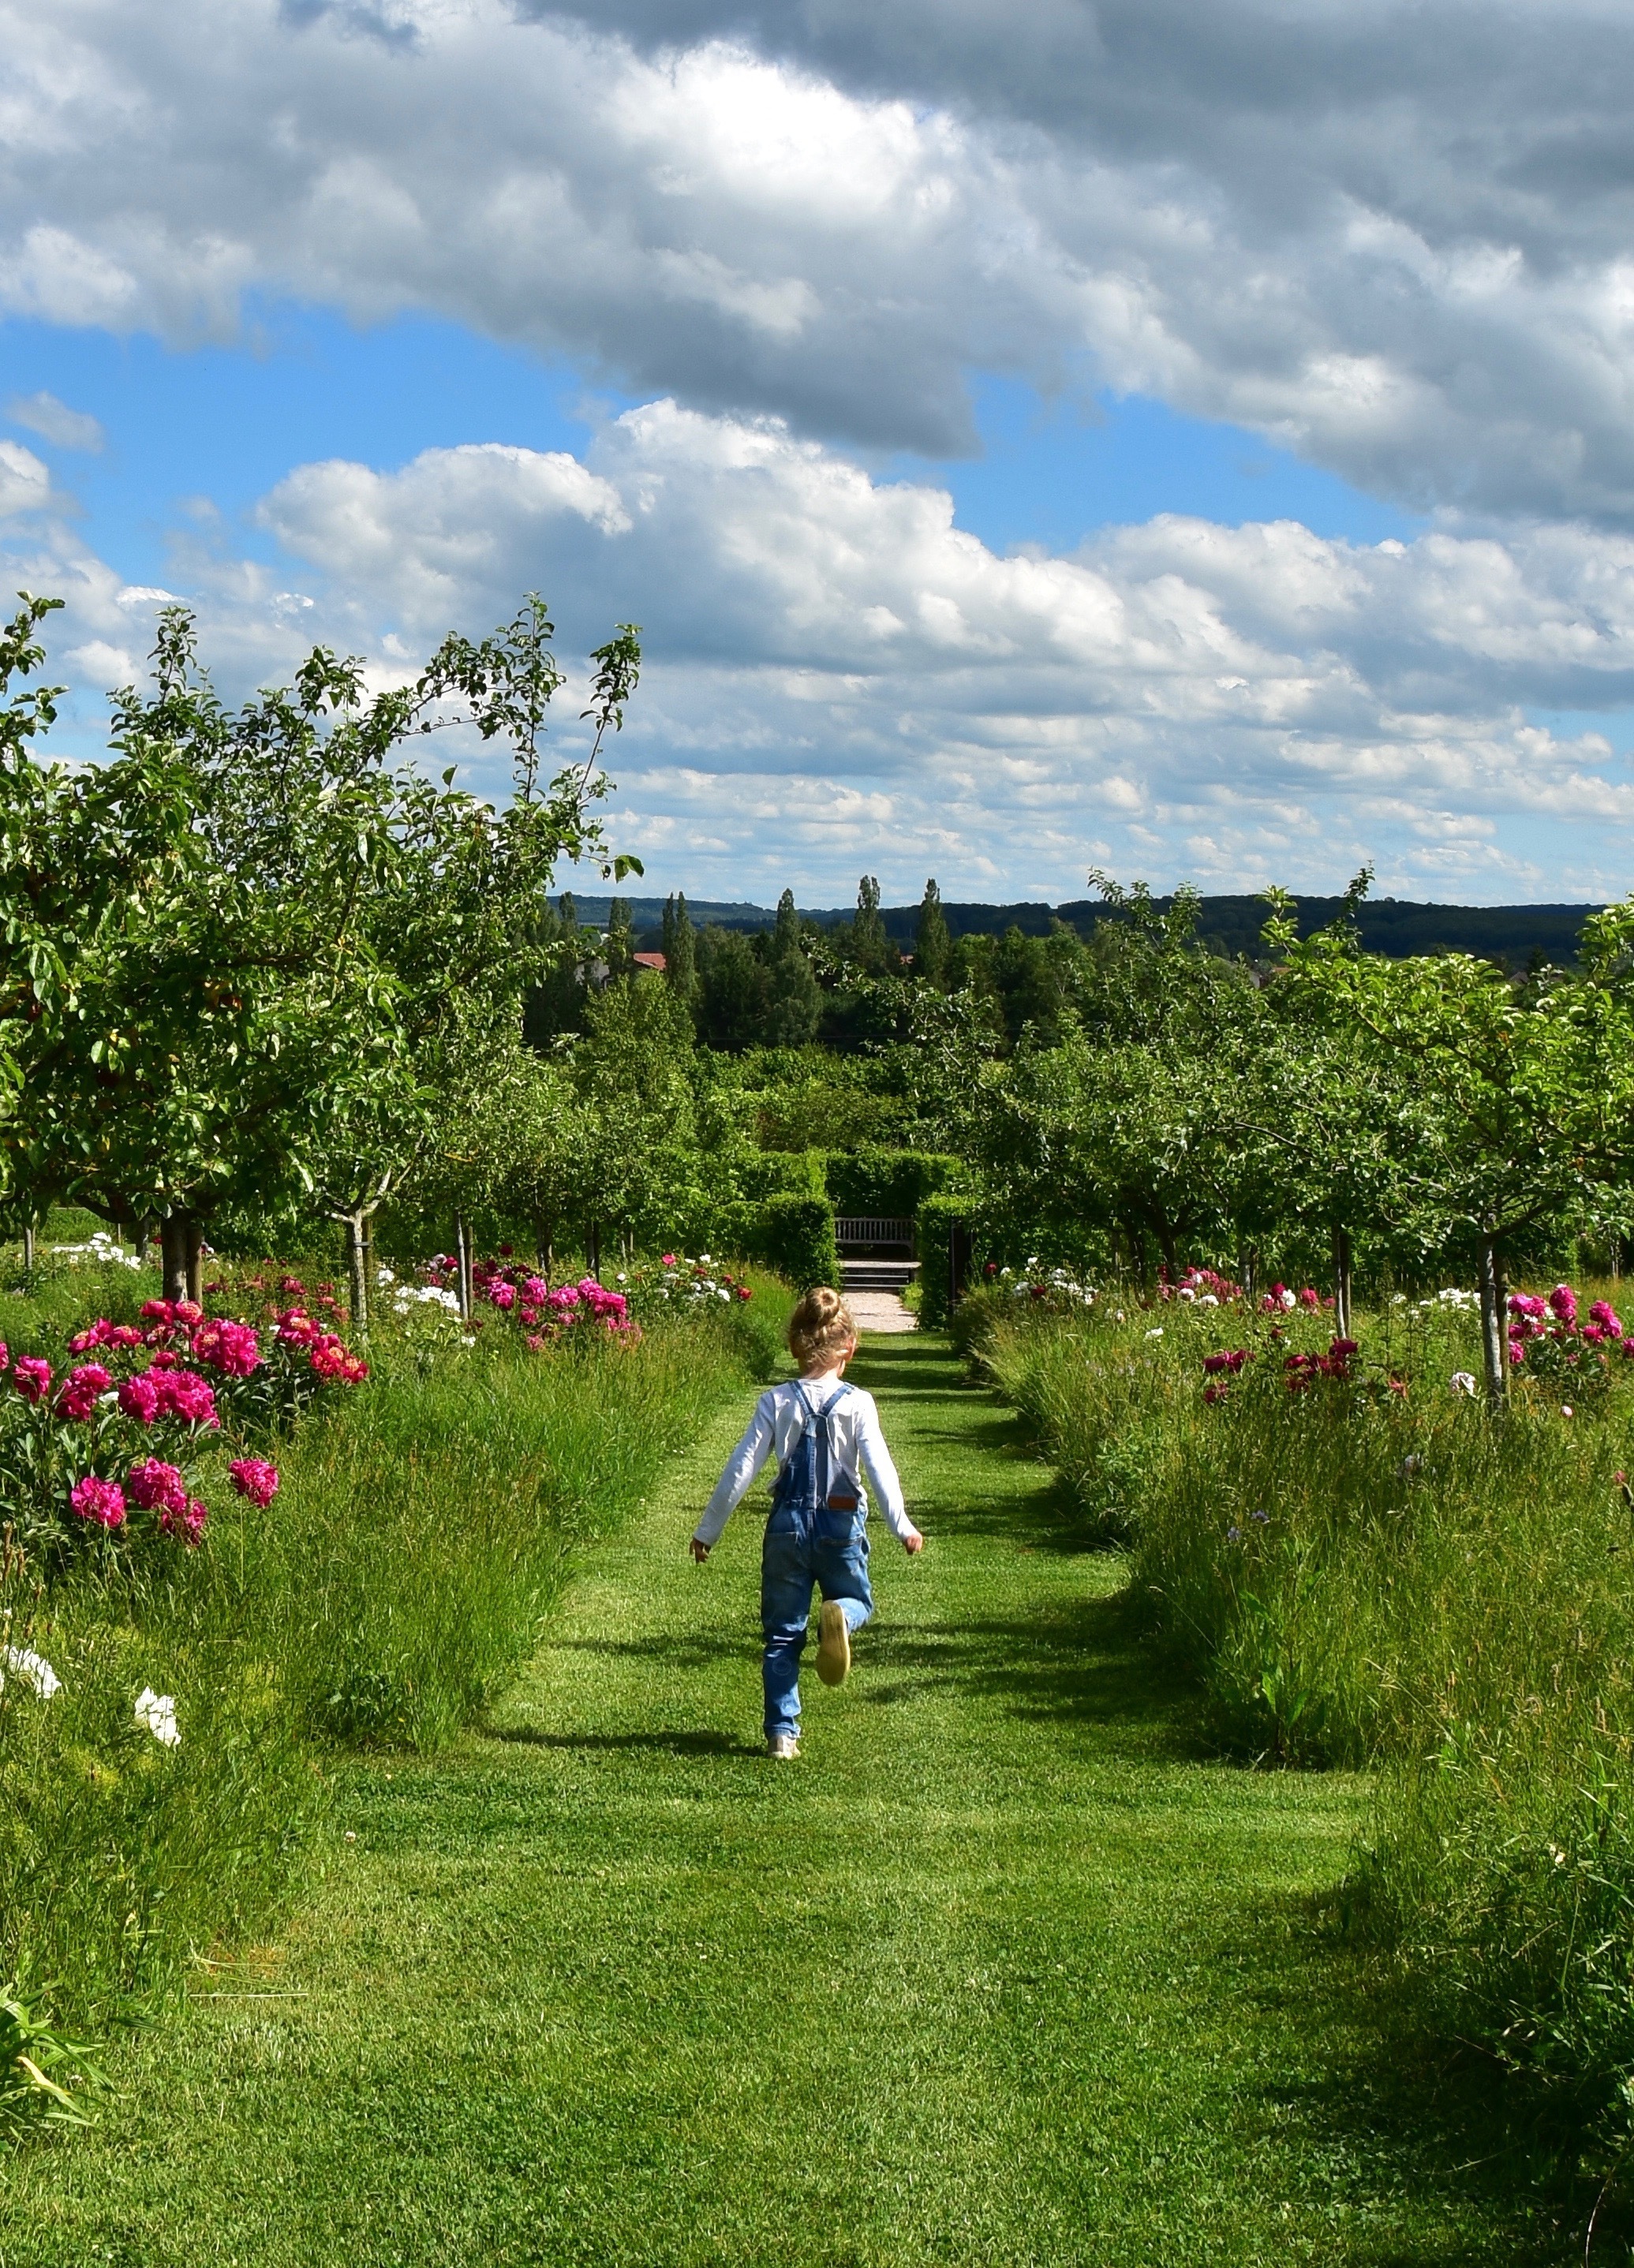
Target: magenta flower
point(156, 1486)
point(34, 1378)
point(76, 1396)
point(329, 1355)
point(503, 1294)
point(535, 1291)
point(1562, 1302)
point(158, 1311)
point(232, 1348)
point(95, 1334)
point(138, 1397)
point(254, 1478)
point(99, 1500)
point(1605, 1314)
point(183, 1394)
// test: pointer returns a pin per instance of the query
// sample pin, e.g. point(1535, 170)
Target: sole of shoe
point(834, 1644)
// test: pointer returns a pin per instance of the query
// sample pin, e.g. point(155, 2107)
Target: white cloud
point(839, 677)
point(1394, 239)
point(24, 484)
point(54, 421)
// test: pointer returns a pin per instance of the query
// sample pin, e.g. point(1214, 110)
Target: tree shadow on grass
point(1438, 2119)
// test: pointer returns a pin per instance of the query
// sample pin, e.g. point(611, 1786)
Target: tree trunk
point(592, 1250)
point(196, 1263)
point(28, 1250)
point(544, 1247)
point(1494, 1351)
point(175, 1238)
point(357, 1269)
point(1341, 1282)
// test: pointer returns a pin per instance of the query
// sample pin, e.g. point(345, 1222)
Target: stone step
point(877, 1275)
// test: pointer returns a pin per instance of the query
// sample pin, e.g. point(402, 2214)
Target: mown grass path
point(1004, 1971)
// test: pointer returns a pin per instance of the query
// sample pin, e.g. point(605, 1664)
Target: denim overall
point(814, 1537)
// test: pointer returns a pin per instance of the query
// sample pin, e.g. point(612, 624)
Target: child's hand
point(700, 1551)
point(913, 1541)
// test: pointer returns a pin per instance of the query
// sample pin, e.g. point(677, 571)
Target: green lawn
point(1005, 1970)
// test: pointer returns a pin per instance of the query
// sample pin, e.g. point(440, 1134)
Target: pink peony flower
point(188, 1312)
point(329, 1355)
point(669, 1260)
point(121, 1335)
point(255, 1478)
point(1309, 1297)
point(33, 1376)
point(1606, 1315)
point(95, 1334)
point(535, 1291)
point(744, 1291)
point(158, 1311)
point(296, 1328)
point(232, 1348)
point(138, 1397)
point(183, 1394)
point(1562, 1302)
point(76, 1396)
point(99, 1500)
point(503, 1294)
point(156, 1486)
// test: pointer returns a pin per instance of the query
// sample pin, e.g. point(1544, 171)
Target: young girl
point(825, 1434)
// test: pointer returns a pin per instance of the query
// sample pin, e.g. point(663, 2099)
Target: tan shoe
point(834, 1643)
point(783, 1747)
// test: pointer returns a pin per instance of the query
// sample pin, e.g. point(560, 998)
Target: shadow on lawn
point(672, 1743)
point(1439, 2119)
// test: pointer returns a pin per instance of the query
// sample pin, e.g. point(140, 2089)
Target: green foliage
point(941, 1221)
point(932, 945)
point(795, 1235)
point(886, 1181)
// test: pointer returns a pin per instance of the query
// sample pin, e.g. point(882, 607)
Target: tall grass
point(1361, 1576)
point(399, 1577)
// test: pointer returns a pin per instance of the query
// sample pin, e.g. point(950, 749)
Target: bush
point(795, 1236)
point(939, 1222)
point(891, 1183)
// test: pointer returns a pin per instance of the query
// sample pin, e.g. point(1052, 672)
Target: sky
point(1185, 437)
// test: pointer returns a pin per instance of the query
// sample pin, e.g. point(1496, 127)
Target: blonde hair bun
point(822, 1324)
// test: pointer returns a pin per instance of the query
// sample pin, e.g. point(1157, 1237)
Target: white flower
point(1208, 1300)
point(383, 1276)
point(1157, 1334)
point(1462, 1382)
point(1186, 1293)
point(704, 1261)
point(1121, 1317)
point(156, 1713)
point(1288, 1300)
point(33, 1669)
point(1566, 1410)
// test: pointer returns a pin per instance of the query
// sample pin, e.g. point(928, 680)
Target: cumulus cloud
point(1395, 240)
point(54, 421)
point(839, 676)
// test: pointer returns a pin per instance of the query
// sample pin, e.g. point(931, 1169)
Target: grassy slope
point(1001, 1971)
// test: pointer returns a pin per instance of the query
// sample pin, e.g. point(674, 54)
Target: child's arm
point(875, 1460)
point(741, 1467)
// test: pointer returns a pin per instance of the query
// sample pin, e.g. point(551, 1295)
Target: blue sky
point(1293, 516)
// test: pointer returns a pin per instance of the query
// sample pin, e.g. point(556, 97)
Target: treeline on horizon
point(795, 978)
point(1516, 937)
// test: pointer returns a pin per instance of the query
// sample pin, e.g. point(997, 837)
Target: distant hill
point(1395, 926)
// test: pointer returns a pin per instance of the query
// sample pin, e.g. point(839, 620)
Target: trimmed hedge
point(938, 1222)
point(795, 1236)
point(880, 1181)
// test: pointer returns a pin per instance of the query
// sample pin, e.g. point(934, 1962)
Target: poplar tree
point(932, 945)
point(680, 952)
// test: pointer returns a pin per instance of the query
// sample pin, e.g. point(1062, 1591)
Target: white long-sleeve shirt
point(776, 1425)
